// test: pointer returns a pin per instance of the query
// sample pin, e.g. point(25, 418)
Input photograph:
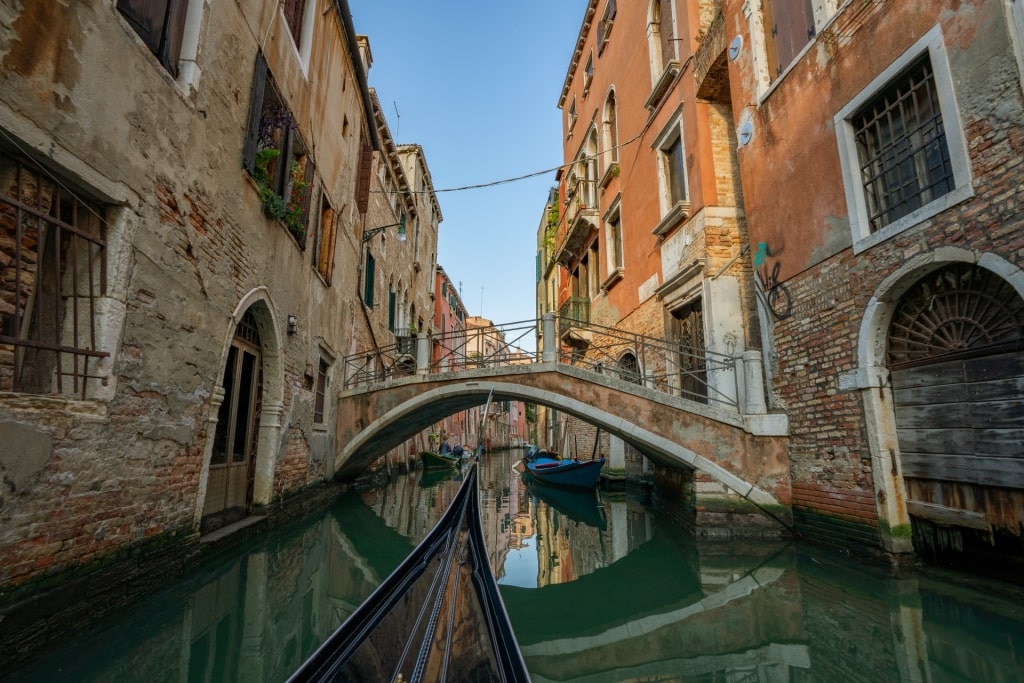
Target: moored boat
point(432, 460)
point(437, 617)
point(573, 473)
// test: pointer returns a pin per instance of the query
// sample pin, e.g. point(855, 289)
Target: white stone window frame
point(615, 244)
point(1015, 25)
point(863, 239)
point(672, 213)
point(189, 71)
point(304, 49)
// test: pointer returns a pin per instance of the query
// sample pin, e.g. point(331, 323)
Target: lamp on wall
point(368, 234)
point(293, 324)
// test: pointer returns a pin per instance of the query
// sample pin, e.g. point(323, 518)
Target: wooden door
point(687, 327)
point(956, 355)
point(230, 483)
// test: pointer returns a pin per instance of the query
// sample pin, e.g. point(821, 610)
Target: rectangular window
point(319, 400)
point(572, 114)
point(901, 144)
point(588, 73)
point(276, 157)
point(371, 267)
point(327, 237)
point(293, 11)
point(604, 27)
point(674, 165)
point(392, 301)
point(615, 241)
point(52, 279)
point(160, 24)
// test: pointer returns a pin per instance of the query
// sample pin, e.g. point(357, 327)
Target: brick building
point(649, 233)
point(189, 200)
point(880, 147)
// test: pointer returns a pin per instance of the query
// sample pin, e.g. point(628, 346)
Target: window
point(1016, 10)
point(671, 155)
point(614, 259)
point(319, 399)
point(604, 27)
point(572, 114)
point(371, 267)
point(610, 132)
point(392, 309)
point(365, 172)
point(160, 24)
point(789, 26)
point(588, 73)
point(327, 237)
point(276, 157)
point(901, 145)
point(293, 11)
point(52, 280)
point(660, 37)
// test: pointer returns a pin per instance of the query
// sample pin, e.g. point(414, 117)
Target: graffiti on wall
point(773, 294)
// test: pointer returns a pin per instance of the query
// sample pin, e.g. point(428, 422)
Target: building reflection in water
point(611, 592)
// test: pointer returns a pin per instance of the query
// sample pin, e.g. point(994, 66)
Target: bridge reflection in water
point(627, 597)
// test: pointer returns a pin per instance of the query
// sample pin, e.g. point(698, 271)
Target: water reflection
point(599, 589)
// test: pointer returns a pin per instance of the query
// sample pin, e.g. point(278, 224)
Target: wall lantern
point(368, 234)
point(293, 324)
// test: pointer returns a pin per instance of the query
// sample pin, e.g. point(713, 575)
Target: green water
point(598, 588)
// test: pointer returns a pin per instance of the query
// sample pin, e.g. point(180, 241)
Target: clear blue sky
point(476, 84)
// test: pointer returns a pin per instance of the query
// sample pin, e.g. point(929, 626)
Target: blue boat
point(582, 474)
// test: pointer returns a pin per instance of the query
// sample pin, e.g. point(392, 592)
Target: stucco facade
point(210, 204)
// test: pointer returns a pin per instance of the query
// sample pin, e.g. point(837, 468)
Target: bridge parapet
point(732, 382)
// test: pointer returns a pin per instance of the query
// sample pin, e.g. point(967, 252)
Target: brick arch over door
point(955, 352)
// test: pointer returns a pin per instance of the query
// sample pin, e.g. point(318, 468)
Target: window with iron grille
point(901, 144)
point(321, 392)
point(52, 277)
point(902, 148)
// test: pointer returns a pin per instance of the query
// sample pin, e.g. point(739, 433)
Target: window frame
point(178, 60)
point(604, 27)
point(849, 159)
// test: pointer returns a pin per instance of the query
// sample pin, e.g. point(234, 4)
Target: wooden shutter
point(328, 235)
point(791, 27)
point(363, 177)
point(174, 30)
point(252, 131)
point(668, 49)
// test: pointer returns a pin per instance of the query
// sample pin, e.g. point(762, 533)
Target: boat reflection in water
point(636, 599)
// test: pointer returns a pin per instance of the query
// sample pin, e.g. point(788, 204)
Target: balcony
point(710, 66)
point(581, 216)
point(573, 316)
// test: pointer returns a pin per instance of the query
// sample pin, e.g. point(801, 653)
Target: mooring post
point(549, 353)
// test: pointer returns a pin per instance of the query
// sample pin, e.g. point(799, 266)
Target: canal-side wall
point(194, 266)
point(43, 612)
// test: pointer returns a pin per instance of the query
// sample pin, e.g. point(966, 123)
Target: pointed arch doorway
point(955, 351)
point(229, 490)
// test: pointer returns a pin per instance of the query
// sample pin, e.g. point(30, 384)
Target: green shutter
point(371, 266)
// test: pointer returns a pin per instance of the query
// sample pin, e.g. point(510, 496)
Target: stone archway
point(882, 355)
point(256, 318)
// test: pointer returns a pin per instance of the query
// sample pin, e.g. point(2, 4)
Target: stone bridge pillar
point(753, 385)
point(550, 351)
point(422, 354)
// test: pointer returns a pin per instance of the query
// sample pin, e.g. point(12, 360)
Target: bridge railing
point(663, 365)
point(660, 364)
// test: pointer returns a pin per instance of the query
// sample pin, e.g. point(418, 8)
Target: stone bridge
point(744, 450)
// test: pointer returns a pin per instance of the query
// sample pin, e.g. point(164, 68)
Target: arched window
point(629, 368)
point(609, 132)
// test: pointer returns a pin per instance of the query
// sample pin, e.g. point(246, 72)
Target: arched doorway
point(229, 489)
point(955, 351)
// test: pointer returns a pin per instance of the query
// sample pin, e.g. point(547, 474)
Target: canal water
point(598, 588)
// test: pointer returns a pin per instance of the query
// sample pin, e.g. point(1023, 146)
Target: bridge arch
point(669, 430)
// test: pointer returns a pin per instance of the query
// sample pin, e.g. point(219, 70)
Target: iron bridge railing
point(663, 365)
